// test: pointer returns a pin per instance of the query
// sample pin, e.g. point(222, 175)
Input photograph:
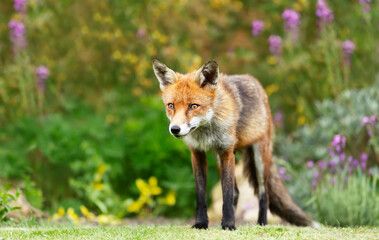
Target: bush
point(344, 200)
point(342, 190)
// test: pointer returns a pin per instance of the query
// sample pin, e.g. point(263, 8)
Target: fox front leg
point(227, 182)
point(199, 166)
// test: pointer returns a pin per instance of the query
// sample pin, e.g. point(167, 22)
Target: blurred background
point(84, 135)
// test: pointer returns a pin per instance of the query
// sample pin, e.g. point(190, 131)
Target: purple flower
point(364, 158)
point(332, 181)
point(336, 140)
point(339, 142)
point(325, 15)
point(42, 73)
point(275, 43)
point(316, 175)
point(321, 164)
point(348, 48)
point(342, 156)
point(372, 120)
point(257, 27)
point(368, 120)
point(282, 170)
point(365, 6)
point(278, 118)
point(286, 177)
point(291, 23)
point(291, 17)
point(338, 148)
point(355, 163)
point(283, 175)
point(331, 152)
point(365, 120)
point(20, 5)
point(17, 35)
point(310, 164)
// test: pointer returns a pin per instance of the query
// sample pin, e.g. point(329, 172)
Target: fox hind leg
point(262, 193)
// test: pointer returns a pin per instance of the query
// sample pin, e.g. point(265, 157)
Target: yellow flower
point(131, 58)
point(117, 55)
point(270, 89)
point(108, 19)
point(73, 216)
point(102, 169)
point(58, 215)
point(135, 206)
point(301, 120)
point(84, 30)
point(159, 37)
point(97, 17)
point(297, 7)
point(154, 188)
point(271, 60)
point(61, 211)
point(84, 211)
point(118, 33)
point(143, 187)
point(98, 186)
point(107, 219)
point(170, 199)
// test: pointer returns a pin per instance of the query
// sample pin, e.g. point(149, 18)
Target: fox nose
point(175, 129)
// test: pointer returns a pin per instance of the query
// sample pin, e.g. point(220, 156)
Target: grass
point(68, 231)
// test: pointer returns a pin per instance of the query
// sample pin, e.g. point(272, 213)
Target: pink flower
point(257, 27)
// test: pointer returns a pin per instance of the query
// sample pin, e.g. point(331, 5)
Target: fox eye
point(170, 106)
point(194, 106)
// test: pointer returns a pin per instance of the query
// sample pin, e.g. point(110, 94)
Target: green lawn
point(182, 232)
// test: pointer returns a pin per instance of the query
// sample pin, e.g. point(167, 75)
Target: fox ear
point(208, 75)
point(164, 74)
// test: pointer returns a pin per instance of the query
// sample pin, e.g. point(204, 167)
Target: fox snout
point(182, 130)
point(175, 129)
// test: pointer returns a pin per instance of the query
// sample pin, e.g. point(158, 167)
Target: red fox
point(209, 110)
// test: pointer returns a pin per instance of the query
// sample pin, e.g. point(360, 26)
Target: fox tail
point(281, 203)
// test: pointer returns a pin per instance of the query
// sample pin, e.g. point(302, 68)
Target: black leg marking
point(228, 187)
point(262, 215)
point(236, 195)
point(199, 166)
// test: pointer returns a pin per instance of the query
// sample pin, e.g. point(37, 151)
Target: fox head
point(188, 97)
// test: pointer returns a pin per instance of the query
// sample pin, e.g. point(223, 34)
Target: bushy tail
point(281, 203)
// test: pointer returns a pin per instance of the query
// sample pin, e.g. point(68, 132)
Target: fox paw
point(228, 226)
point(200, 226)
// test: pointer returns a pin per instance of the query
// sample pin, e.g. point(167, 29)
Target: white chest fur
point(214, 135)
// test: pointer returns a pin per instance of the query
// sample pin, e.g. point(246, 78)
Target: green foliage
point(348, 203)
point(5, 199)
point(63, 156)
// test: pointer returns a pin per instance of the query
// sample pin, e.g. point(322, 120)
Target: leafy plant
point(5, 199)
point(352, 202)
